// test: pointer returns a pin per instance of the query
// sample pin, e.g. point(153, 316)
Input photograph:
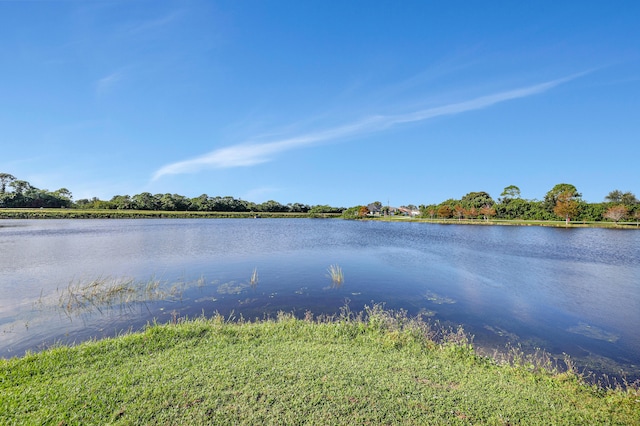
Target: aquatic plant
point(336, 275)
point(231, 287)
point(253, 281)
point(104, 293)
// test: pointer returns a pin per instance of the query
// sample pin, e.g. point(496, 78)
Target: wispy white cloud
point(105, 84)
point(154, 24)
point(250, 154)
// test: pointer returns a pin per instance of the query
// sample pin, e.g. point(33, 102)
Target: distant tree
point(616, 213)
point(551, 198)
point(271, 206)
point(444, 211)
point(21, 186)
point(363, 211)
point(322, 209)
point(301, 208)
point(629, 199)
point(121, 202)
point(511, 192)
point(200, 203)
point(63, 193)
point(165, 202)
point(144, 201)
point(471, 212)
point(459, 211)
point(592, 211)
point(487, 212)
point(617, 196)
point(476, 199)
point(180, 202)
point(566, 205)
point(428, 211)
point(5, 179)
point(614, 196)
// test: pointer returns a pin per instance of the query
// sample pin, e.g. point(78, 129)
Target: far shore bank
point(24, 213)
point(512, 222)
point(148, 214)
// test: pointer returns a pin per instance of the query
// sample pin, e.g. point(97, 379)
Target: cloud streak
point(105, 84)
point(250, 154)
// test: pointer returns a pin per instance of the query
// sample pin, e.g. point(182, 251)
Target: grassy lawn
point(382, 368)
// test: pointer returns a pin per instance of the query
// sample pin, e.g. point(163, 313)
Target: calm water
point(574, 291)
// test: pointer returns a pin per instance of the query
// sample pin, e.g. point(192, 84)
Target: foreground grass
point(380, 369)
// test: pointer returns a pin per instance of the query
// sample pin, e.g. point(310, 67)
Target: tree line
point(563, 201)
point(20, 193)
point(15, 193)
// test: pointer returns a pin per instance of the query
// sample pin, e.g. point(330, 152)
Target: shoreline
point(379, 367)
point(160, 214)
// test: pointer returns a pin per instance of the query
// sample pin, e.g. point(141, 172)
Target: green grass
point(381, 368)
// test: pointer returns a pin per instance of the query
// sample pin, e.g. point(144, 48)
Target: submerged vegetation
point(253, 281)
point(375, 367)
point(336, 275)
point(105, 293)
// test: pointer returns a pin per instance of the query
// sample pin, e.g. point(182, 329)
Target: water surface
point(574, 291)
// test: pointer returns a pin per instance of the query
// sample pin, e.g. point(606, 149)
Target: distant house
point(374, 209)
point(408, 212)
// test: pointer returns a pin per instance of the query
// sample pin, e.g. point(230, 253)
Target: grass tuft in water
point(253, 281)
point(106, 293)
point(336, 275)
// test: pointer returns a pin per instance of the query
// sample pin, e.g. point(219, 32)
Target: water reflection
point(568, 291)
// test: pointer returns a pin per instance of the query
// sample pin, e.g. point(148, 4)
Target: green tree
point(63, 193)
point(629, 199)
point(591, 211)
point(144, 201)
point(200, 203)
point(477, 200)
point(511, 192)
point(20, 187)
point(121, 202)
point(271, 206)
point(614, 196)
point(619, 197)
point(428, 211)
point(321, 209)
point(5, 179)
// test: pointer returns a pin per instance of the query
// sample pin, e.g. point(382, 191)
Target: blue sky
point(321, 102)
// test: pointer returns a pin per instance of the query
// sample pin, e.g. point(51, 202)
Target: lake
point(573, 291)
